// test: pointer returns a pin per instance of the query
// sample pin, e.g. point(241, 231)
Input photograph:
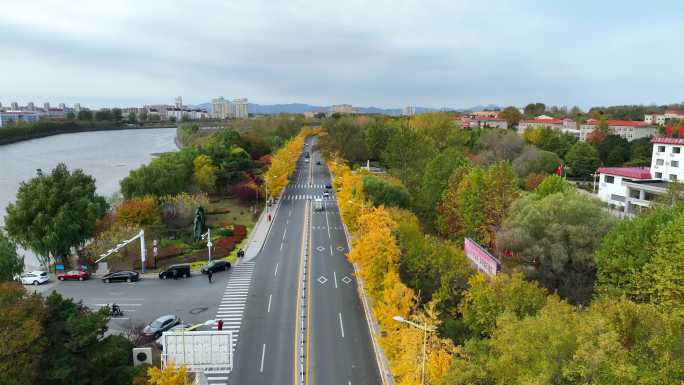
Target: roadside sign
point(201, 351)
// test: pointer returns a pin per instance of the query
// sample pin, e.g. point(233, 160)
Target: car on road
point(318, 162)
point(326, 194)
point(77, 275)
point(121, 276)
point(176, 271)
point(318, 204)
point(216, 265)
point(160, 325)
point(34, 277)
point(328, 186)
point(306, 160)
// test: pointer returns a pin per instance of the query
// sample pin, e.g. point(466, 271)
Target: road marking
point(346, 280)
point(341, 326)
point(331, 250)
point(335, 275)
point(270, 296)
point(275, 273)
point(263, 354)
point(327, 223)
point(281, 245)
point(284, 233)
point(290, 213)
point(322, 280)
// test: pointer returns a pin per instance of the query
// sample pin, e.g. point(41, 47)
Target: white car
point(326, 194)
point(34, 278)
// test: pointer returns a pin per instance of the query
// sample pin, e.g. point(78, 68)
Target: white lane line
point(335, 275)
point(341, 326)
point(290, 213)
point(270, 296)
point(331, 250)
point(263, 354)
point(284, 233)
point(327, 223)
point(275, 273)
point(281, 245)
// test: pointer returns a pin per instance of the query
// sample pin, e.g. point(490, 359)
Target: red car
point(74, 274)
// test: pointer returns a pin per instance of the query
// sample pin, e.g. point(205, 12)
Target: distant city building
point(628, 129)
point(179, 102)
point(186, 113)
point(342, 109)
point(564, 125)
point(483, 114)
point(483, 122)
point(156, 111)
point(663, 119)
point(77, 107)
point(46, 106)
point(14, 106)
point(30, 106)
point(239, 108)
point(62, 106)
point(7, 117)
point(220, 108)
point(409, 111)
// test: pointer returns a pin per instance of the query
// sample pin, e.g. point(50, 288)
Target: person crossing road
point(209, 275)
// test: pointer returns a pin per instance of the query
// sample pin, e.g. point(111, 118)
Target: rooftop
point(544, 121)
point(663, 140)
point(627, 172)
point(632, 123)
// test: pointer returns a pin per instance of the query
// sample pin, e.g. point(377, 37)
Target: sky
point(455, 53)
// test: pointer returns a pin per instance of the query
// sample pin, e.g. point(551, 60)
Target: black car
point(121, 276)
point(216, 265)
point(176, 271)
point(328, 186)
point(318, 162)
point(160, 325)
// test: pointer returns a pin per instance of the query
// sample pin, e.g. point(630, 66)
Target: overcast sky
point(453, 53)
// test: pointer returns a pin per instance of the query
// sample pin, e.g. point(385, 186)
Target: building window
point(634, 194)
point(617, 198)
point(673, 177)
point(676, 150)
point(659, 175)
point(659, 162)
point(661, 148)
point(609, 179)
point(674, 163)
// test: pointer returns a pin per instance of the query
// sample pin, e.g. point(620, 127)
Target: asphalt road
point(339, 339)
point(193, 299)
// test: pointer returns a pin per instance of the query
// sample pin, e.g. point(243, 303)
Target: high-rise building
point(77, 107)
point(30, 106)
point(409, 111)
point(14, 106)
point(46, 106)
point(62, 106)
point(220, 108)
point(179, 102)
point(239, 108)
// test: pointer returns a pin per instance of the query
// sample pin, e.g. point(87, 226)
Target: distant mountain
point(300, 108)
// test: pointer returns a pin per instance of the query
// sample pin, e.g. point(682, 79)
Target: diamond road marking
point(346, 280)
point(322, 280)
point(320, 248)
point(340, 248)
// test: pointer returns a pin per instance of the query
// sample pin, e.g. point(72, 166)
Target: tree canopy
point(583, 160)
point(10, 262)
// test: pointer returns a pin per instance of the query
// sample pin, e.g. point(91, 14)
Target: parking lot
point(193, 299)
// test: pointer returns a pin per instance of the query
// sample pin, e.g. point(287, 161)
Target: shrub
point(138, 212)
point(240, 230)
point(178, 211)
point(226, 232)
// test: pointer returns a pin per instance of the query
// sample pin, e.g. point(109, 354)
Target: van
point(318, 205)
point(176, 271)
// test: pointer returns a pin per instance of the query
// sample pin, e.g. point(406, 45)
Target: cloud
point(388, 53)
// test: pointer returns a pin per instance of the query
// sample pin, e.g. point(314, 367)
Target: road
point(340, 350)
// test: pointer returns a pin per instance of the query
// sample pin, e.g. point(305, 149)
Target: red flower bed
point(240, 230)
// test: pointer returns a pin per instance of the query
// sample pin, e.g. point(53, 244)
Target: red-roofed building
point(564, 125)
point(482, 122)
point(663, 119)
point(628, 129)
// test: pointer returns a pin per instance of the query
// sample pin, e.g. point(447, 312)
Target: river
point(106, 155)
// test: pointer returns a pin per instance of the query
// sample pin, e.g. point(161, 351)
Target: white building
point(18, 116)
point(628, 129)
point(179, 102)
point(239, 108)
point(663, 119)
point(220, 108)
point(483, 122)
point(342, 109)
point(633, 188)
point(564, 125)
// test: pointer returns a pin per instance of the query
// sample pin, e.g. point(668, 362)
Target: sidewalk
point(258, 235)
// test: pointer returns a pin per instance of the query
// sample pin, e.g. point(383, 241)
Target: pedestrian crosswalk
point(306, 185)
point(232, 308)
point(294, 197)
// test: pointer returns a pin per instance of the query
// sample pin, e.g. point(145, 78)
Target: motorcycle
point(116, 311)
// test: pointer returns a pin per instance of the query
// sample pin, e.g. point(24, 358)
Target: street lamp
point(425, 328)
point(207, 235)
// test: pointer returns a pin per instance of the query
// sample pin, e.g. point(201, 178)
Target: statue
point(199, 224)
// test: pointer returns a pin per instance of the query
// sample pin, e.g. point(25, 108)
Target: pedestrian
point(220, 324)
point(209, 274)
point(269, 217)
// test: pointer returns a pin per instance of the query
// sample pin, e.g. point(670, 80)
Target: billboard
point(480, 258)
point(202, 351)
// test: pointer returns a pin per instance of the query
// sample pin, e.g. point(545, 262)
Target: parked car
point(160, 325)
point(121, 276)
point(78, 275)
point(318, 204)
point(176, 271)
point(34, 277)
point(216, 265)
point(318, 162)
point(328, 186)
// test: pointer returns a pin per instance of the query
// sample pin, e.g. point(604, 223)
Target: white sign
point(200, 351)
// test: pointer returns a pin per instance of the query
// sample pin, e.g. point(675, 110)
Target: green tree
point(640, 152)
point(85, 115)
point(512, 116)
point(495, 145)
point(168, 174)
point(143, 116)
point(377, 136)
point(554, 238)
point(435, 180)
point(117, 115)
point(132, 118)
point(104, 114)
point(406, 154)
point(535, 161)
point(54, 212)
point(345, 136)
point(613, 150)
point(462, 209)
point(552, 184)
point(435, 125)
point(70, 115)
point(10, 262)
point(205, 173)
point(534, 109)
point(582, 159)
point(382, 192)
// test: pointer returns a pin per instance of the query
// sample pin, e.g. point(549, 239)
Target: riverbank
point(9, 135)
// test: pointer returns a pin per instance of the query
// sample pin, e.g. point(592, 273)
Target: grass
point(230, 211)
